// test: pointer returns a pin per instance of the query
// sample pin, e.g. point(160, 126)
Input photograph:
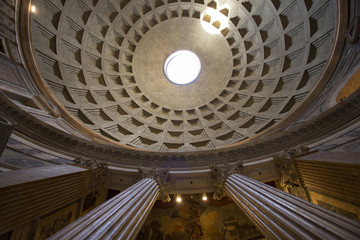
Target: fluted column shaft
point(31, 193)
point(335, 179)
point(119, 218)
point(280, 215)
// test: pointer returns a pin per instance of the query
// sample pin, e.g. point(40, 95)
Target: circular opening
point(182, 67)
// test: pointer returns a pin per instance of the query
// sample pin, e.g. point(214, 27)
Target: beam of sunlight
point(213, 21)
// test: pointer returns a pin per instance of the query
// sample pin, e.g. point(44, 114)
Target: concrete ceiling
point(103, 60)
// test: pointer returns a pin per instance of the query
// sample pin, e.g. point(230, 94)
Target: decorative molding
point(218, 177)
point(161, 177)
point(90, 163)
point(335, 119)
point(294, 152)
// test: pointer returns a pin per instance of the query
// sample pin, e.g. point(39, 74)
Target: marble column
point(280, 215)
point(120, 217)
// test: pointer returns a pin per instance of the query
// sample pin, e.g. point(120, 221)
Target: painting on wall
point(196, 219)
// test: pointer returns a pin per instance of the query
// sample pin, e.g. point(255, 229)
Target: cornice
point(326, 124)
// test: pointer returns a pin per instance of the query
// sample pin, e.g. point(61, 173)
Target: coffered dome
point(104, 61)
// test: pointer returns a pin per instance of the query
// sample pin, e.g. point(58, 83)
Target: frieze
point(291, 153)
point(90, 163)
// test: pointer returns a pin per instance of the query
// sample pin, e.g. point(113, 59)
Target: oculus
point(182, 67)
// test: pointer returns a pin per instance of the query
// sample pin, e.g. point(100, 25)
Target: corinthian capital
point(219, 174)
point(97, 176)
point(289, 177)
point(161, 177)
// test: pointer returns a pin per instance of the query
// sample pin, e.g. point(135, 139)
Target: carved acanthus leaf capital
point(97, 176)
point(289, 178)
point(218, 176)
point(161, 177)
point(285, 165)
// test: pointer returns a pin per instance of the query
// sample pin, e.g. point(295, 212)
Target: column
point(339, 180)
point(280, 215)
point(6, 128)
point(32, 193)
point(120, 217)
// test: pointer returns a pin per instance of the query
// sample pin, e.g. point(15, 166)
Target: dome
point(103, 63)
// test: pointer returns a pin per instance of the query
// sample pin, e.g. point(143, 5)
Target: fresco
point(195, 219)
